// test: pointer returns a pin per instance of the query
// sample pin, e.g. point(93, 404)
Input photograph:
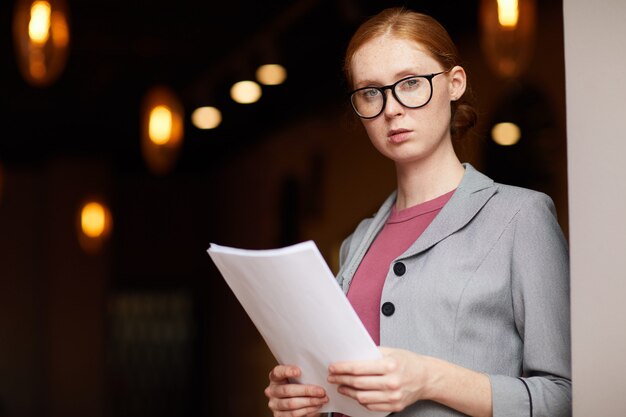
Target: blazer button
point(399, 268)
point(388, 309)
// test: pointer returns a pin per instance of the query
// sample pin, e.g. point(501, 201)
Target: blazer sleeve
point(541, 303)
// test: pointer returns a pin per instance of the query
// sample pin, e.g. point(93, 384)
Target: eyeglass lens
point(410, 92)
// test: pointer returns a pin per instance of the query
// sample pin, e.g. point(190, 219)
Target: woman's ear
point(457, 82)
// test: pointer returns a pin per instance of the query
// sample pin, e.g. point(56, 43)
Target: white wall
point(595, 67)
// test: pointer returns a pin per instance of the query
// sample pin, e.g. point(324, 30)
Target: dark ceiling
point(120, 48)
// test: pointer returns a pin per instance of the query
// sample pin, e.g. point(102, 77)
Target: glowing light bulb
point(508, 32)
point(162, 129)
point(271, 74)
point(245, 92)
point(508, 13)
point(206, 118)
point(39, 24)
point(506, 134)
point(160, 125)
point(94, 225)
point(93, 219)
point(41, 34)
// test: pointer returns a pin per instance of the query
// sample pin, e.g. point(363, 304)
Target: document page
point(298, 307)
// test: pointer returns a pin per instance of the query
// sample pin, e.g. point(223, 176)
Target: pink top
point(399, 232)
point(402, 228)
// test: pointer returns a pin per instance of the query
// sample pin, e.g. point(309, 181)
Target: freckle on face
point(385, 59)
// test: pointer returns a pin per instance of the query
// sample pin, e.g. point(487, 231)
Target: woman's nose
point(392, 106)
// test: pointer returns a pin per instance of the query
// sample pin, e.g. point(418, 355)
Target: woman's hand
point(391, 383)
point(401, 378)
point(293, 400)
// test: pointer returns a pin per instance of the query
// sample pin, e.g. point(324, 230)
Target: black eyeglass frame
point(392, 87)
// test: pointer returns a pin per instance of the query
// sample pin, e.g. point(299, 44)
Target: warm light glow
point(160, 125)
point(206, 118)
point(245, 92)
point(508, 31)
point(508, 13)
point(506, 134)
point(93, 219)
point(271, 74)
point(60, 30)
point(162, 129)
point(94, 225)
point(41, 34)
point(39, 25)
point(37, 65)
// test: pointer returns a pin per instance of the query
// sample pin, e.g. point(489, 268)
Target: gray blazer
point(486, 286)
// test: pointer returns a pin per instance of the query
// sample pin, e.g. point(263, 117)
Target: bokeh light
point(271, 74)
point(506, 134)
point(206, 117)
point(245, 92)
point(508, 13)
point(94, 225)
point(162, 129)
point(160, 125)
point(41, 36)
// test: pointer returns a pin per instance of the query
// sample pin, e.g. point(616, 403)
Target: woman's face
point(403, 134)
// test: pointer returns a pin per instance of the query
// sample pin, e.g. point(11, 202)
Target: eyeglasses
point(412, 92)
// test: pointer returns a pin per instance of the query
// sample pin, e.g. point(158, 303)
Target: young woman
point(463, 282)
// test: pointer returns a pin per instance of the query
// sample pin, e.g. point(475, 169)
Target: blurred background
point(113, 184)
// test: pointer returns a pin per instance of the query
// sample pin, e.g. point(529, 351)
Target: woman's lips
point(398, 135)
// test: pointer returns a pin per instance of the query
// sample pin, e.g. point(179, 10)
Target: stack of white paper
point(294, 301)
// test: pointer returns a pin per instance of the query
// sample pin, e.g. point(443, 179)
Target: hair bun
point(464, 118)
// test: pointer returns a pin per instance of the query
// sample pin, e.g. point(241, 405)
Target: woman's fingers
point(368, 396)
point(391, 383)
point(377, 367)
point(293, 400)
point(384, 383)
point(294, 390)
point(281, 373)
point(309, 404)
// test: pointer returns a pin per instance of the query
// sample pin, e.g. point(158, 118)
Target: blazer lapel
point(471, 195)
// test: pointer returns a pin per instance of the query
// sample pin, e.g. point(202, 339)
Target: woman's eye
point(410, 84)
point(370, 93)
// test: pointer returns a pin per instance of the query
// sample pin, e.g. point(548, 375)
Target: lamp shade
point(162, 128)
point(508, 35)
point(94, 224)
point(41, 36)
